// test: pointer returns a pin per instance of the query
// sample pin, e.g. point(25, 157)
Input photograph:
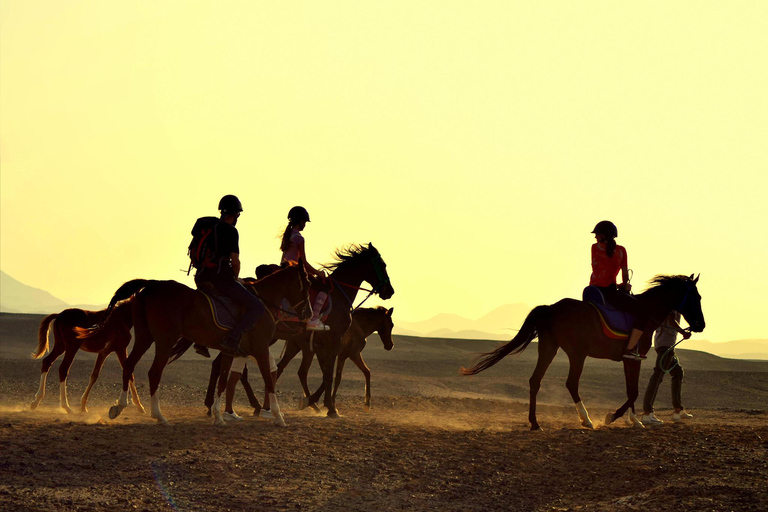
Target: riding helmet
point(230, 204)
point(606, 228)
point(298, 214)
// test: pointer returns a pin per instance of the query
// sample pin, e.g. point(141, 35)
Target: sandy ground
point(433, 441)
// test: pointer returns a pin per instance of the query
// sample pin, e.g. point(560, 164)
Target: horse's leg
point(337, 380)
point(328, 376)
point(249, 392)
point(162, 354)
point(290, 350)
point(262, 358)
point(226, 365)
point(229, 393)
point(142, 342)
point(547, 352)
point(358, 360)
point(215, 372)
point(306, 363)
point(122, 354)
point(631, 378)
point(56, 351)
point(66, 363)
point(572, 383)
point(100, 358)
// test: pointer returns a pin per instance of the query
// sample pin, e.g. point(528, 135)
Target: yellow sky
point(475, 143)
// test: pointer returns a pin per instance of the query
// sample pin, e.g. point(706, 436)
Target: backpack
point(202, 249)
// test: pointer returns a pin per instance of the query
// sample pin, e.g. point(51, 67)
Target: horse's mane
point(350, 256)
point(661, 282)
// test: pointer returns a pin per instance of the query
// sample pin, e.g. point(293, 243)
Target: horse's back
point(575, 326)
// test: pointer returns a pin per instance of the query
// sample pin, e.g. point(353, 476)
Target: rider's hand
point(686, 334)
point(627, 286)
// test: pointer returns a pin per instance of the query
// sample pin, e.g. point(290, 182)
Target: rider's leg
point(253, 309)
point(314, 323)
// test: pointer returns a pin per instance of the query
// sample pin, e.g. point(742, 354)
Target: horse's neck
point(368, 323)
point(352, 277)
point(659, 304)
point(271, 289)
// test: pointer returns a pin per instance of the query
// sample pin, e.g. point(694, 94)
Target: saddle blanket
point(224, 310)
point(616, 324)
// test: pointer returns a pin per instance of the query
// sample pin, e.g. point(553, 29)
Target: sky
point(475, 144)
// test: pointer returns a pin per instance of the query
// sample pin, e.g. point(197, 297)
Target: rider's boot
point(314, 323)
point(202, 350)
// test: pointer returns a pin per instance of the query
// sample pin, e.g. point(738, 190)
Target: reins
point(383, 279)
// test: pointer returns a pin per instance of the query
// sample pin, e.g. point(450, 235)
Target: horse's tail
point(119, 317)
point(125, 291)
point(179, 348)
point(528, 332)
point(42, 336)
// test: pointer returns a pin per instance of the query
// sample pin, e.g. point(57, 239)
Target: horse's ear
point(691, 278)
point(370, 245)
point(697, 278)
point(389, 313)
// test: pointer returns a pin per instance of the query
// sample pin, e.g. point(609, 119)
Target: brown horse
point(65, 341)
point(353, 265)
point(575, 326)
point(365, 321)
point(165, 312)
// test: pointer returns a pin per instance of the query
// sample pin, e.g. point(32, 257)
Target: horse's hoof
point(219, 422)
point(315, 408)
point(141, 409)
point(33, 405)
point(280, 422)
point(333, 415)
point(536, 428)
point(367, 408)
point(303, 403)
point(609, 418)
point(114, 412)
point(588, 424)
point(209, 413)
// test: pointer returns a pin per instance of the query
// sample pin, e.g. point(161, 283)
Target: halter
point(382, 277)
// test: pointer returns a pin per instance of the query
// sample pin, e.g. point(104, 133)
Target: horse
point(365, 321)
point(167, 312)
point(354, 264)
point(575, 326)
point(65, 341)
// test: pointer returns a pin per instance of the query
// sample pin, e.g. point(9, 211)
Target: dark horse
point(166, 312)
point(65, 341)
point(575, 327)
point(365, 321)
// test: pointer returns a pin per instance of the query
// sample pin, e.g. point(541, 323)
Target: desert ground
point(434, 440)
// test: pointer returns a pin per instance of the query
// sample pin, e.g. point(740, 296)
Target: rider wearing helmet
point(292, 245)
point(607, 260)
point(223, 276)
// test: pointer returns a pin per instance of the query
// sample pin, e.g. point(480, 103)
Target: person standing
point(664, 343)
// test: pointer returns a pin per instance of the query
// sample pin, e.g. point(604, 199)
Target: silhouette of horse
point(167, 312)
point(365, 321)
point(575, 326)
point(65, 341)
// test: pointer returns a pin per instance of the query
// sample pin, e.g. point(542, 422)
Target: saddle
point(225, 311)
point(616, 324)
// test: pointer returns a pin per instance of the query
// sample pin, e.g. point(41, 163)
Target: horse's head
point(690, 305)
point(377, 275)
point(385, 330)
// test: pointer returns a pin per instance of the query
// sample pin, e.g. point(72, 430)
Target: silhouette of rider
point(608, 259)
point(223, 276)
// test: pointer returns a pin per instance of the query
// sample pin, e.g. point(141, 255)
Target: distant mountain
point(501, 323)
point(17, 297)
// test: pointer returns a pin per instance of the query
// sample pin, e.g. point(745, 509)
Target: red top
point(605, 269)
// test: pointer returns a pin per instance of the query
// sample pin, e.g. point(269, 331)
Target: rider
point(223, 276)
point(607, 259)
point(292, 245)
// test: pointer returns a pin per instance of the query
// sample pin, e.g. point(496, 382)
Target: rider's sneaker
point(231, 416)
point(680, 416)
point(316, 324)
point(230, 346)
point(266, 413)
point(630, 354)
point(651, 419)
point(202, 350)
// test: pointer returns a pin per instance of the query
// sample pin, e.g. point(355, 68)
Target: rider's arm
point(672, 322)
point(625, 279)
point(309, 268)
point(235, 258)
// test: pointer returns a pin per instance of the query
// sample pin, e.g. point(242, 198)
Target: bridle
point(382, 278)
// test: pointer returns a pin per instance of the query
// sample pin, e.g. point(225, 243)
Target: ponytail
point(285, 243)
point(610, 247)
